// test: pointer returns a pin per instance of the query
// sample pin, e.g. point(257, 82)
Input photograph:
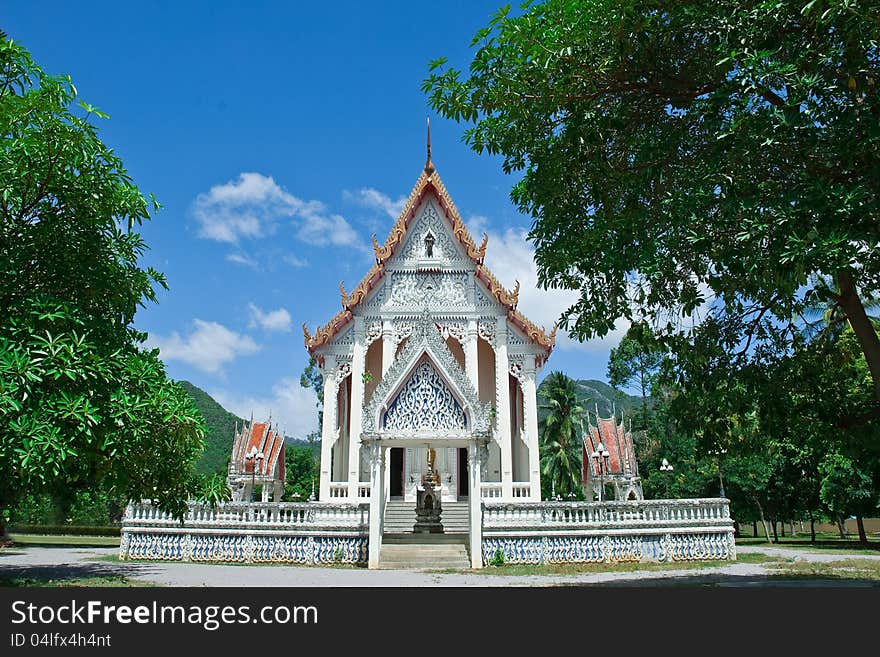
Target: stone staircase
point(400, 517)
point(415, 551)
point(402, 549)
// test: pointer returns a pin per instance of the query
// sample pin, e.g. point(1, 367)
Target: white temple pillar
point(475, 503)
point(264, 493)
point(502, 395)
point(357, 407)
point(470, 355)
point(377, 483)
point(530, 410)
point(388, 346)
point(328, 425)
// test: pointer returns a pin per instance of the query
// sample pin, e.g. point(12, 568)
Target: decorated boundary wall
point(597, 532)
point(303, 533)
point(525, 532)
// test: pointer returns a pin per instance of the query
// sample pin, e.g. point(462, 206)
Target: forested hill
point(592, 392)
point(221, 429)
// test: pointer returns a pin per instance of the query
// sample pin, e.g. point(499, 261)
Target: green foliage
point(220, 431)
point(635, 362)
point(687, 159)
point(338, 555)
point(561, 437)
point(64, 530)
point(497, 558)
point(212, 489)
point(80, 402)
point(301, 465)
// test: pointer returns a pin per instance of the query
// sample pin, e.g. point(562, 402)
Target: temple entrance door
point(463, 475)
point(396, 483)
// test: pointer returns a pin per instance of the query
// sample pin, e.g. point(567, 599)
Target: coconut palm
point(561, 435)
point(824, 316)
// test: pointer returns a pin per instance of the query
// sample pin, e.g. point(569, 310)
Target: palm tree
point(561, 435)
point(825, 317)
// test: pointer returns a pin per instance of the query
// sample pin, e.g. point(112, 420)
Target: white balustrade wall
point(642, 530)
point(247, 532)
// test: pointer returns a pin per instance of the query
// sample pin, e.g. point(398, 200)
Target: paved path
point(64, 562)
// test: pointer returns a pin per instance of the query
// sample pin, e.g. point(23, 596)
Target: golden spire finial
point(429, 165)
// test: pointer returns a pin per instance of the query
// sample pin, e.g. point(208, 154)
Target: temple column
point(389, 347)
point(502, 412)
point(470, 355)
point(357, 407)
point(475, 504)
point(377, 483)
point(530, 409)
point(328, 425)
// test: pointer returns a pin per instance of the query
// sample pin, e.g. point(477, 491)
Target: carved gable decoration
point(429, 244)
point(425, 391)
point(425, 403)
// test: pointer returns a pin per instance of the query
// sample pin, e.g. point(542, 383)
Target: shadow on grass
point(79, 574)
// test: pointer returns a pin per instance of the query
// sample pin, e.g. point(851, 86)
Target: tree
point(561, 437)
point(635, 362)
point(302, 470)
point(82, 405)
point(683, 154)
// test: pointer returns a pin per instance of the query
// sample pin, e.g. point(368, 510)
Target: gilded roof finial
point(429, 165)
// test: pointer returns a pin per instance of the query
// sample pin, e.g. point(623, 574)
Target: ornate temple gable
point(428, 209)
point(424, 404)
point(410, 291)
point(429, 244)
point(425, 344)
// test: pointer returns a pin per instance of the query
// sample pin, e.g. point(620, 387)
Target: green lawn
point(864, 569)
point(824, 543)
point(55, 540)
point(596, 568)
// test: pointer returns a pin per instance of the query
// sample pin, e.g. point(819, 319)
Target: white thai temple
point(429, 373)
point(427, 352)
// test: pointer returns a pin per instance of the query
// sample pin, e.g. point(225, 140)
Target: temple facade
point(429, 351)
point(257, 463)
point(610, 468)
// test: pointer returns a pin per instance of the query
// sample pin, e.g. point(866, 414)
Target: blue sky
point(279, 137)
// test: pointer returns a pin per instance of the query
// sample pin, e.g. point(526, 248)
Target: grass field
point(98, 581)
point(55, 540)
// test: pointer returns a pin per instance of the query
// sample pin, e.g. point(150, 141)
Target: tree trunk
point(841, 525)
point(782, 524)
point(866, 334)
point(5, 541)
point(812, 527)
point(863, 537)
point(775, 531)
point(763, 521)
point(755, 528)
point(735, 529)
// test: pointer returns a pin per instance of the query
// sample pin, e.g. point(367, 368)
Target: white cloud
point(373, 198)
point(208, 346)
point(290, 405)
point(273, 320)
point(241, 259)
point(510, 257)
point(293, 261)
point(250, 206)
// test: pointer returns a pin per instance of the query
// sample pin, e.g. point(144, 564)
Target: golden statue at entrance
point(431, 475)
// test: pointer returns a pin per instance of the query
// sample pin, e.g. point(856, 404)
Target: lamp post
point(255, 458)
point(666, 466)
point(718, 453)
point(601, 455)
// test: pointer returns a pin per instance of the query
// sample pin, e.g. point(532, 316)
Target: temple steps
point(400, 517)
point(416, 551)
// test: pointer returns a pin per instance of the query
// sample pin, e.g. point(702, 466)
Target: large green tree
point(561, 434)
point(81, 403)
point(635, 363)
point(678, 153)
